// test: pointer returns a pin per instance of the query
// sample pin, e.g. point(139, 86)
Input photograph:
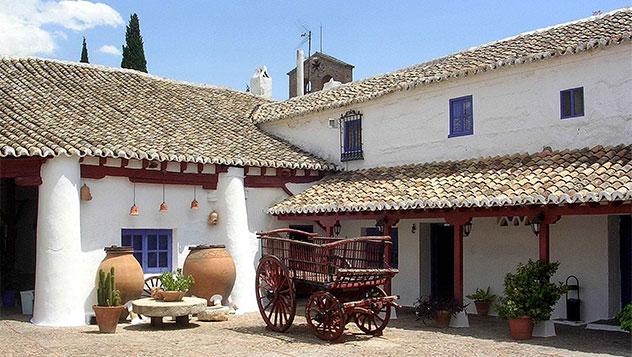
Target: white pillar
point(240, 242)
point(60, 278)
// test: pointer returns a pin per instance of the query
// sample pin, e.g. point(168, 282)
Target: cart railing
point(327, 260)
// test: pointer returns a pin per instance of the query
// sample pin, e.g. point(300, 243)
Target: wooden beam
point(458, 263)
point(277, 181)
point(207, 181)
point(530, 211)
point(25, 171)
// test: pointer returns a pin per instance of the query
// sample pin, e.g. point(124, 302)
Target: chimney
point(300, 83)
point(261, 83)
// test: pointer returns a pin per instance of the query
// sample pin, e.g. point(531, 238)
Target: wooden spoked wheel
point(150, 283)
point(275, 294)
point(374, 324)
point(325, 316)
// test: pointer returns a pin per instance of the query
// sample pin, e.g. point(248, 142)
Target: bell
point(195, 204)
point(212, 218)
point(84, 193)
point(163, 207)
point(133, 211)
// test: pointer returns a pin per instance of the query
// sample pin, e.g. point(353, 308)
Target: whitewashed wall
point(515, 110)
point(107, 213)
point(579, 243)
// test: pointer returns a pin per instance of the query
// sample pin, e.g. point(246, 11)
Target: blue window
point(572, 103)
point(461, 116)
point(152, 248)
point(351, 136)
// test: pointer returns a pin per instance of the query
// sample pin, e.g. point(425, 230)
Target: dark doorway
point(625, 249)
point(441, 261)
point(301, 227)
point(372, 231)
point(18, 222)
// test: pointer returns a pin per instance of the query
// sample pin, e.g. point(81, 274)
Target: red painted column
point(458, 263)
point(387, 253)
point(544, 242)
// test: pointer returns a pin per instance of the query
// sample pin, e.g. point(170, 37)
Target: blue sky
point(222, 42)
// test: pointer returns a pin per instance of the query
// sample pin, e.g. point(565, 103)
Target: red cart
point(346, 275)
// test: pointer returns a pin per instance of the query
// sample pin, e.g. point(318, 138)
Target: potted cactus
point(108, 307)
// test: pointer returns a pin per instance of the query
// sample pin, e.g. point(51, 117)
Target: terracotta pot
point(128, 274)
point(213, 270)
point(482, 307)
point(521, 328)
point(442, 318)
point(108, 317)
point(171, 295)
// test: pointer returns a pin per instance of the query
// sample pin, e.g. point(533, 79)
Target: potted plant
point(625, 318)
point(108, 308)
point(175, 285)
point(438, 309)
point(529, 296)
point(482, 300)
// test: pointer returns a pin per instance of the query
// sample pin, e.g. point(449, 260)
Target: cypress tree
point(133, 52)
point(84, 52)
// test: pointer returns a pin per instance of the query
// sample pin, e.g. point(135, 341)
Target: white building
point(490, 135)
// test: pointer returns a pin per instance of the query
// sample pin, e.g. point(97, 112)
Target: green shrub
point(175, 281)
point(625, 318)
point(530, 292)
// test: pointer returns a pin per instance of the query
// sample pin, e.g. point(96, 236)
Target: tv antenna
point(307, 36)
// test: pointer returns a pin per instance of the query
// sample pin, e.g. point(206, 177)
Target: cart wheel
point(325, 316)
point(150, 283)
point(275, 294)
point(374, 324)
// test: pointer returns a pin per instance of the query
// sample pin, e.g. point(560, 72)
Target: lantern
point(337, 228)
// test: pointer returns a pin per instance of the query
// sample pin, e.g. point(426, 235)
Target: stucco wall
point(580, 244)
point(108, 212)
point(515, 110)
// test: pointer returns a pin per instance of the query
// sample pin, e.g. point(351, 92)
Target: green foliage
point(175, 281)
point(107, 295)
point(84, 52)
point(133, 50)
point(426, 308)
point(530, 292)
point(625, 318)
point(481, 295)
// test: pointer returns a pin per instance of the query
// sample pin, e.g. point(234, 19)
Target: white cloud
point(21, 23)
point(110, 50)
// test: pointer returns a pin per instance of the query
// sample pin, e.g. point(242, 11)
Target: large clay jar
point(128, 274)
point(213, 270)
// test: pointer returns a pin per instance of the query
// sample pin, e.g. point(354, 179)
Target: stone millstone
point(155, 308)
point(214, 313)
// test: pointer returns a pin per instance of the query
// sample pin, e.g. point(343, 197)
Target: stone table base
point(157, 309)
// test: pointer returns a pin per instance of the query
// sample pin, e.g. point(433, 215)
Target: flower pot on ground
point(175, 285)
point(108, 308)
point(521, 328)
point(529, 295)
point(441, 310)
point(482, 300)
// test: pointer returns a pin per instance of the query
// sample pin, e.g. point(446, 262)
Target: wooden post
point(544, 242)
point(389, 222)
point(457, 223)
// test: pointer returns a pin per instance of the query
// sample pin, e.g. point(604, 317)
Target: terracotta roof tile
point(541, 178)
point(50, 108)
point(566, 39)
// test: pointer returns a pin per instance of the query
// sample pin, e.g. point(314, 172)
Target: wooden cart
point(346, 275)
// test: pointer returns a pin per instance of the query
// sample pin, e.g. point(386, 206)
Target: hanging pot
point(213, 270)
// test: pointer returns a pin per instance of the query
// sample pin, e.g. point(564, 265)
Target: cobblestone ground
point(245, 335)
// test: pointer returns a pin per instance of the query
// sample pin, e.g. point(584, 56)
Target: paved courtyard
point(245, 335)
